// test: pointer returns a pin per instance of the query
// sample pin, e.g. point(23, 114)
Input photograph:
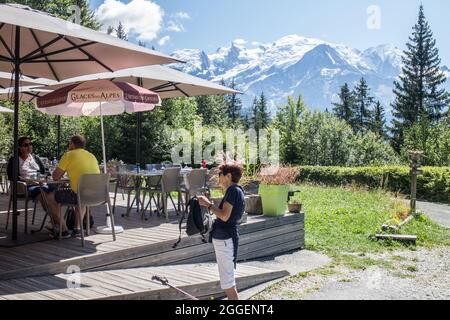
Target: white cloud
point(175, 27)
point(239, 42)
point(163, 41)
point(141, 18)
point(181, 15)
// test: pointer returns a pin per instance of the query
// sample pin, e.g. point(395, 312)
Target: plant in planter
point(295, 206)
point(275, 184)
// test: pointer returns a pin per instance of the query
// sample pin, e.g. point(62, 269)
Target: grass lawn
point(339, 223)
point(341, 220)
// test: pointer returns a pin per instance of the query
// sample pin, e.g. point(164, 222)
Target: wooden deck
point(143, 244)
point(199, 280)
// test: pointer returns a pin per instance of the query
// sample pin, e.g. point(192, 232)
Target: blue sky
point(208, 24)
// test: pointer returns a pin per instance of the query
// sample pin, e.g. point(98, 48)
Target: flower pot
point(274, 199)
point(295, 207)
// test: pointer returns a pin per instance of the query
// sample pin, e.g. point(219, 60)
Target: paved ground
point(439, 213)
point(294, 263)
point(402, 275)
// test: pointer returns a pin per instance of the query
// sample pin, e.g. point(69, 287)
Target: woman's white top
point(28, 167)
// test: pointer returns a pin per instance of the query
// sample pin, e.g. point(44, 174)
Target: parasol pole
point(103, 139)
point(106, 229)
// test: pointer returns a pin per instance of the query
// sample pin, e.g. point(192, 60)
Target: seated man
point(76, 162)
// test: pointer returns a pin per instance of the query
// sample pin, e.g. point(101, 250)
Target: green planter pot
point(274, 200)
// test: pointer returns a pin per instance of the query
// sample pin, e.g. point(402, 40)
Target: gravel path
point(405, 275)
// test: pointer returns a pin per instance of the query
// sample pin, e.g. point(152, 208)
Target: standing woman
point(224, 233)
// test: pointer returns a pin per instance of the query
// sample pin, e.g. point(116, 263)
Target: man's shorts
point(66, 197)
point(225, 260)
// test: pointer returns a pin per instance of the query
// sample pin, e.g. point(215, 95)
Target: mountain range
point(296, 65)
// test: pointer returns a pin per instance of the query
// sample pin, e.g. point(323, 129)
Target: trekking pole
point(165, 282)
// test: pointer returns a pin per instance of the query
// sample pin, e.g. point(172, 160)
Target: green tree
point(418, 92)
point(263, 114)
point(63, 9)
point(110, 30)
point(212, 109)
point(5, 135)
point(254, 121)
point(287, 121)
point(234, 107)
point(378, 121)
point(363, 104)
point(433, 140)
point(120, 32)
point(324, 140)
point(345, 108)
point(370, 149)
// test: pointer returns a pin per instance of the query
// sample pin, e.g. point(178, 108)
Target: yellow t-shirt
point(77, 163)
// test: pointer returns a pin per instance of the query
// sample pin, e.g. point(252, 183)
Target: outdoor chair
point(169, 184)
point(151, 186)
point(3, 178)
point(22, 195)
point(193, 184)
point(129, 184)
point(93, 191)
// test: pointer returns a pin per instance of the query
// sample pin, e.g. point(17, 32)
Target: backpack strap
point(203, 234)
point(181, 223)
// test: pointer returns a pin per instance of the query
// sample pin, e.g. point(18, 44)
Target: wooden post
point(416, 157)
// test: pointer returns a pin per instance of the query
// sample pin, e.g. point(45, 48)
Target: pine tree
point(254, 119)
point(344, 110)
point(120, 32)
point(234, 107)
point(110, 30)
point(264, 116)
point(363, 103)
point(378, 121)
point(418, 92)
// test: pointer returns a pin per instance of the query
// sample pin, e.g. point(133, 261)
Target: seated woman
point(30, 164)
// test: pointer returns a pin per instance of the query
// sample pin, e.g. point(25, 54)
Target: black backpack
point(70, 220)
point(199, 220)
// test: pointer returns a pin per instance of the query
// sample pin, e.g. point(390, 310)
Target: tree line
point(355, 133)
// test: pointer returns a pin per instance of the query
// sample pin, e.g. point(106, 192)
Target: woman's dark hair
point(234, 168)
point(21, 141)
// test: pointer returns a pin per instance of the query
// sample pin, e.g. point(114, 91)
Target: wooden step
point(264, 236)
point(200, 280)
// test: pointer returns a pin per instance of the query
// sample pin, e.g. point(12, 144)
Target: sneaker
point(64, 235)
point(77, 232)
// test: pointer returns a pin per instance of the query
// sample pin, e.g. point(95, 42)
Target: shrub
point(432, 185)
point(274, 175)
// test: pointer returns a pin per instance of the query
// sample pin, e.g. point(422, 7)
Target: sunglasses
point(26, 145)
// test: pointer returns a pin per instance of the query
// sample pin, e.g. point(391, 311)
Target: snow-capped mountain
point(296, 65)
